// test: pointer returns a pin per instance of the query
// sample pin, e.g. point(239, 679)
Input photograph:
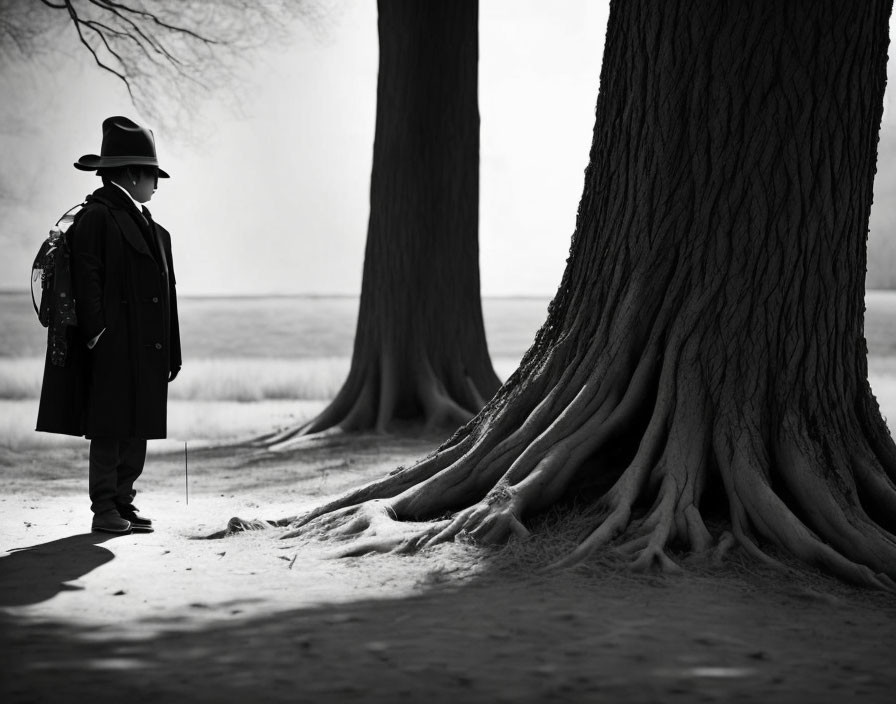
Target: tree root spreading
point(486, 489)
point(783, 487)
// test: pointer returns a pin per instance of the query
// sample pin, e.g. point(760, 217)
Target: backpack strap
point(79, 205)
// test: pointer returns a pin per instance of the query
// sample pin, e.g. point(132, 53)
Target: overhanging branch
point(169, 54)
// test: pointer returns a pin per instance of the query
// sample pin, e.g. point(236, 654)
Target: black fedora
point(125, 143)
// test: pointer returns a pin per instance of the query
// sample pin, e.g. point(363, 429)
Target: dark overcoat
point(123, 283)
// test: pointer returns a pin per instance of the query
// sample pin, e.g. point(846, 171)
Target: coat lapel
point(125, 216)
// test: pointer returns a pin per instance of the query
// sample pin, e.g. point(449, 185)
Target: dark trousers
point(114, 467)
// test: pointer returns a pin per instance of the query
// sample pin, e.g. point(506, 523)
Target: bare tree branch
point(114, 6)
point(99, 62)
point(168, 54)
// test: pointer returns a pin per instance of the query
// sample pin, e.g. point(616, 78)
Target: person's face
point(143, 184)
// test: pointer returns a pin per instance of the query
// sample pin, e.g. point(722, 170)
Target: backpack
point(52, 267)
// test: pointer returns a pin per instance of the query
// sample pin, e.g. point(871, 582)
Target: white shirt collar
point(137, 205)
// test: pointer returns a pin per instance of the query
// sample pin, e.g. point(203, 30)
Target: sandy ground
point(165, 617)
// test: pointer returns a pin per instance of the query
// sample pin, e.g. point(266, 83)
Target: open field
point(251, 364)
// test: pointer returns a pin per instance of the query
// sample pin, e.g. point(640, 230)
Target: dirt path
point(165, 617)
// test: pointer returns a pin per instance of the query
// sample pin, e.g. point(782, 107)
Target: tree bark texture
point(420, 351)
point(705, 351)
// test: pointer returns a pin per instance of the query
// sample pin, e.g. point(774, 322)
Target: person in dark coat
point(125, 348)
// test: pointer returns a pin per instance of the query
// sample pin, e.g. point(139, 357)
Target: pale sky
point(276, 201)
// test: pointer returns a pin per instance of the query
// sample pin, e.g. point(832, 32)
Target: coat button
point(158, 345)
point(155, 299)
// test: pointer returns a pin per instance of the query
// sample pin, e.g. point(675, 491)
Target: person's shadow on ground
point(30, 575)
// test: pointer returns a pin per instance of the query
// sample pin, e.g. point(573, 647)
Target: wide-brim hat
point(125, 143)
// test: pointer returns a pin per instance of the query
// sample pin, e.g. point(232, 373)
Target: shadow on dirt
point(535, 639)
point(36, 573)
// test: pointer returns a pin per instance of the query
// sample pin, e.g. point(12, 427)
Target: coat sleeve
point(88, 270)
point(176, 358)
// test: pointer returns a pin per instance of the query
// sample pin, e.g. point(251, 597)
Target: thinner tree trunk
point(420, 352)
point(709, 326)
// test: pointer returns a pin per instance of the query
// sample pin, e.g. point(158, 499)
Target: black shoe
point(139, 524)
point(110, 522)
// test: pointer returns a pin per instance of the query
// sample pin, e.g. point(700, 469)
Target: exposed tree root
point(379, 397)
point(726, 542)
point(478, 489)
point(367, 528)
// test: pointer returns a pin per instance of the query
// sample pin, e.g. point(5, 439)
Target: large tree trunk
point(708, 330)
point(420, 352)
